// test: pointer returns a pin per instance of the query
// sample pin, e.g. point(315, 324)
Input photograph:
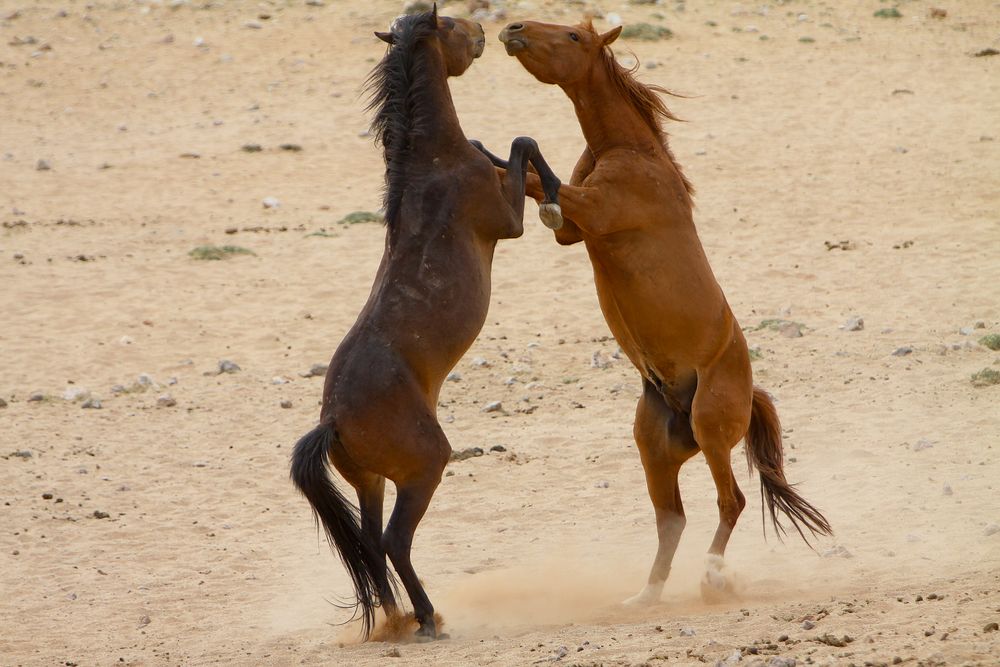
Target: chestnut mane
point(645, 99)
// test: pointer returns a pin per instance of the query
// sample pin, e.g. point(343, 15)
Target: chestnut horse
point(631, 206)
point(445, 210)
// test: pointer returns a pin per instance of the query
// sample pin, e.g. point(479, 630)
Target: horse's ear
point(610, 36)
point(434, 12)
point(386, 37)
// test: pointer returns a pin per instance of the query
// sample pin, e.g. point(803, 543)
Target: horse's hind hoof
point(551, 215)
point(718, 584)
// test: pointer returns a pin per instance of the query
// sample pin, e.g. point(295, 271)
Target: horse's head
point(459, 41)
point(559, 54)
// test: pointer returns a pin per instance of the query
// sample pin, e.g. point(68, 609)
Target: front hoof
point(649, 595)
point(551, 215)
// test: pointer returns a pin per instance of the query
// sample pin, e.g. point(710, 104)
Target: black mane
point(397, 86)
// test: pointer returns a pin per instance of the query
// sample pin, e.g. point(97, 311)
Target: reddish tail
point(763, 447)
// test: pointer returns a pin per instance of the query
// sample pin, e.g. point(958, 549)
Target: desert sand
point(846, 166)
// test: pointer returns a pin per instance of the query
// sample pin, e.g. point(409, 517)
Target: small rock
point(254, 25)
point(270, 202)
point(42, 165)
point(902, 351)
point(227, 366)
point(47, 496)
point(118, 389)
point(22, 454)
point(991, 627)
point(493, 406)
point(453, 376)
point(946, 490)
point(286, 404)
point(92, 404)
point(498, 448)
point(688, 632)
point(98, 514)
point(468, 453)
point(854, 324)
point(250, 148)
point(808, 625)
point(75, 394)
point(36, 396)
point(602, 484)
point(778, 661)
point(316, 3)
point(277, 379)
point(790, 330)
point(392, 653)
point(922, 444)
point(145, 380)
point(979, 325)
point(479, 362)
point(597, 360)
point(166, 401)
point(316, 370)
point(837, 551)
point(3, 403)
point(965, 331)
point(144, 621)
point(992, 529)
point(200, 464)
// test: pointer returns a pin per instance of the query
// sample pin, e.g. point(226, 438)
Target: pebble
point(854, 324)
point(946, 490)
point(965, 331)
point(479, 362)
point(3, 403)
point(808, 625)
point(316, 3)
point(991, 627)
point(75, 393)
point(254, 25)
point(270, 202)
point(454, 376)
point(277, 379)
point(778, 661)
point(227, 366)
point(602, 484)
point(36, 396)
point(92, 404)
point(493, 406)
point(790, 330)
point(144, 620)
point(22, 454)
point(118, 389)
point(992, 529)
point(687, 632)
point(468, 453)
point(42, 165)
point(126, 340)
point(166, 401)
point(921, 444)
point(837, 551)
point(498, 448)
point(145, 380)
point(286, 404)
point(597, 360)
point(200, 464)
point(316, 370)
point(47, 496)
point(98, 514)
point(902, 351)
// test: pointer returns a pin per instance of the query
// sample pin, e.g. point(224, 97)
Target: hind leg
point(665, 442)
point(370, 488)
point(720, 416)
point(414, 493)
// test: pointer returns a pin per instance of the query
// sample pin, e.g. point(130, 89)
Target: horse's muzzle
point(512, 43)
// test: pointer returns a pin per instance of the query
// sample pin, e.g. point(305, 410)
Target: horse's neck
point(607, 119)
point(440, 130)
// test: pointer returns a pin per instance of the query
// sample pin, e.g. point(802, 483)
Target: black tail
point(341, 525)
point(763, 447)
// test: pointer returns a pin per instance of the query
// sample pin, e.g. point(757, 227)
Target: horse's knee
point(731, 508)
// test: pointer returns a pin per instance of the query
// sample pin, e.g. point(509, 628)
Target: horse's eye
point(574, 37)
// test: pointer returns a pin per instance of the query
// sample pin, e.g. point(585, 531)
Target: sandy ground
point(883, 134)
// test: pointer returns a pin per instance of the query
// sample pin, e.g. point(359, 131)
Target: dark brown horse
point(445, 210)
point(631, 206)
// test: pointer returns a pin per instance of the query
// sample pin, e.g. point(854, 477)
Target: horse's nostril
point(514, 27)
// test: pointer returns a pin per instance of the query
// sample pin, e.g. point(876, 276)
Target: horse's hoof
point(649, 595)
point(718, 584)
point(444, 635)
point(551, 215)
